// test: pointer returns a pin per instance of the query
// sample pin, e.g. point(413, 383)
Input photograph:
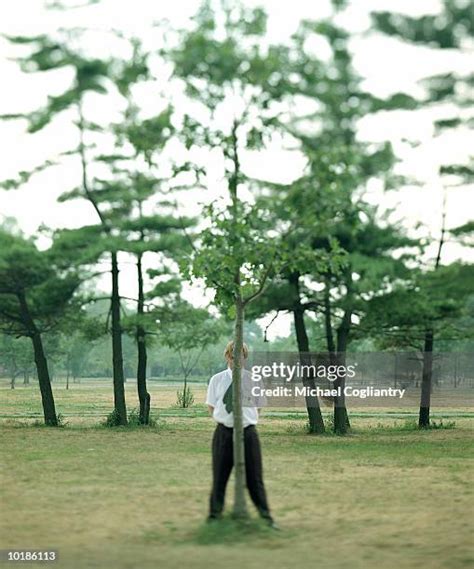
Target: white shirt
point(215, 397)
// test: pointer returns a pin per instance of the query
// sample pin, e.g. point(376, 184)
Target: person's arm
point(211, 397)
point(261, 403)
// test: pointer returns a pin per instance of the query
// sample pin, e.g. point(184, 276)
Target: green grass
point(387, 495)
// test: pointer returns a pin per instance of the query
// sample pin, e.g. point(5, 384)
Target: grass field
point(386, 496)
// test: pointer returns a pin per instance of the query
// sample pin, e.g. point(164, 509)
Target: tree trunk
point(427, 376)
point(327, 317)
point(240, 506)
point(341, 417)
point(117, 357)
point(185, 387)
point(47, 398)
point(26, 378)
point(143, 395)
point(424, 416)
point(315, 418)
point(14, 373)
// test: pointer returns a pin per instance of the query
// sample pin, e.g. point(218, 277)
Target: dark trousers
point(223, 462)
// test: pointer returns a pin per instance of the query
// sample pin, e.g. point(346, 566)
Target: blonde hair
point(229, 350)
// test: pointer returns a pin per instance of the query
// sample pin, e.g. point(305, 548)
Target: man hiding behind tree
point(220, 403)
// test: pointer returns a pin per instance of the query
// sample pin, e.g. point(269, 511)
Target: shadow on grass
point(228, 530)
point(409, 425)
point(225, 531)
point(304, 429)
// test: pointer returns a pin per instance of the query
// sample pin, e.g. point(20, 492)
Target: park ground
point(385, 496)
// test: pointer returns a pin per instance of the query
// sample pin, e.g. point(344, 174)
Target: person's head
point(229, 353)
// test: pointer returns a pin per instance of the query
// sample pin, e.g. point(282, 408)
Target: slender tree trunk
point(14, 373)
point(47, 398)
point(424, 416)
point(427, 376)
point(337, 357)
point(331, 346)
point(26, 378)
point(341, 417)
point(143, 395)
point(67, 378)
point(49, 409)
point(185, 387)
point(117, 356)
point(240, 506)
point(316, 421)
point(315, 418)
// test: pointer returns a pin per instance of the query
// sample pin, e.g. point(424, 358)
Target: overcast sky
point(387, 65)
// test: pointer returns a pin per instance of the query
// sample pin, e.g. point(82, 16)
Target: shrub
point(112, 419)
point(134, 419)
point(185, 398)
